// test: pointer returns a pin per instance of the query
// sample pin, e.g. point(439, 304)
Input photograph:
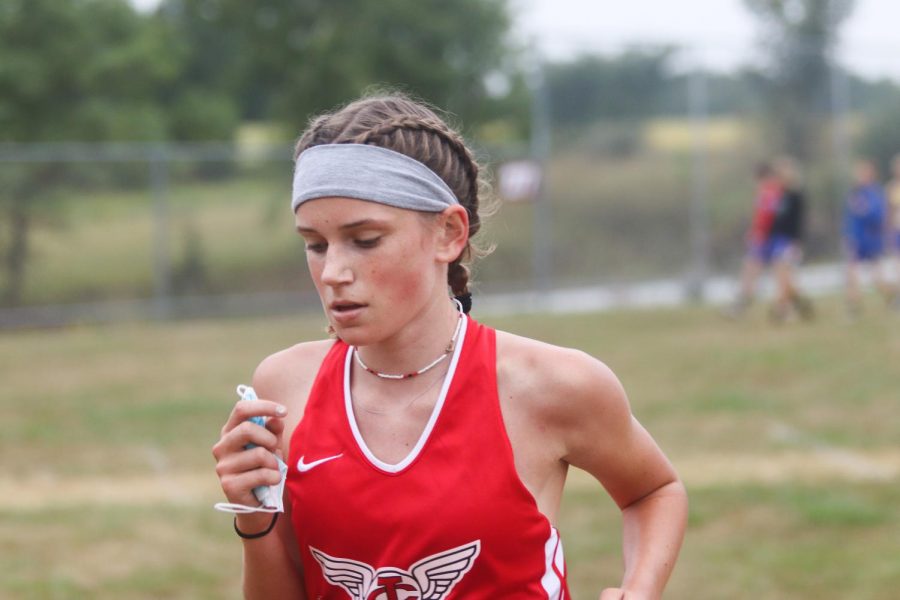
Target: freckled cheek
point(400, 280)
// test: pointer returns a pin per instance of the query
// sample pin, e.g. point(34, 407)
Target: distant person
point(865, 229)
point(426, 453)
point(760, 247)
point(785, 241)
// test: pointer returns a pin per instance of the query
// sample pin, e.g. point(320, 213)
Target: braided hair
point(403, 125)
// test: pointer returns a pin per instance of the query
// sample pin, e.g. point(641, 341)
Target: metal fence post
point(542, 226)
point(839, 100)
point(698, 108)
point(162, 264)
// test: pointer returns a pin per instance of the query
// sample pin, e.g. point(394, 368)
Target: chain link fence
point(106, 232)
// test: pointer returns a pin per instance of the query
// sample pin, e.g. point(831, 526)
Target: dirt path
point(807, 466)
point(198, 488)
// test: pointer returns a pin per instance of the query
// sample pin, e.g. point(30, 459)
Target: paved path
point(815, 280)
point(663, 292)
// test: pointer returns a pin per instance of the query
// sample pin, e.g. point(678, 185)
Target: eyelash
point(320, 247)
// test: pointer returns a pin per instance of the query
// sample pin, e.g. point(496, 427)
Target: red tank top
point(768, 195)
point(450, 521)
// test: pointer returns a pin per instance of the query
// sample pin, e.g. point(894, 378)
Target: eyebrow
point(346, 226)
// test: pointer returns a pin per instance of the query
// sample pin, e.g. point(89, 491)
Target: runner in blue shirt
point(865, 228)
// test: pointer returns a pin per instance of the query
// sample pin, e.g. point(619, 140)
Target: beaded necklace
point(424, 369)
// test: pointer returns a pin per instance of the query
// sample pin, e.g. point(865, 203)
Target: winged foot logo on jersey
point(431, 578)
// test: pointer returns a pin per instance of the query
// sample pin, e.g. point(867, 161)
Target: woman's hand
point(241, 469)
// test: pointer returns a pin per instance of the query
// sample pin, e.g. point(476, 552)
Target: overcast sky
point(721, 33)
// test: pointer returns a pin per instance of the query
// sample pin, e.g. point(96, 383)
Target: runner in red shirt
point(426, 453)
point(761, 248)
point(768, 194)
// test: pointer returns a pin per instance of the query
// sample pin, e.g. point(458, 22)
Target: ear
point(453, 233)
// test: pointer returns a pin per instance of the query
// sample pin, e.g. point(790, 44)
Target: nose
point(336, 270)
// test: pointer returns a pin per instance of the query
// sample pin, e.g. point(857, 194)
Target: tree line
point(95, 70)
point(194, 69)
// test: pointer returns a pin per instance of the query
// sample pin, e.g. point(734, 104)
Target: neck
point(423, 339)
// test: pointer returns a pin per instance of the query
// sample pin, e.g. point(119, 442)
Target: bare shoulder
point(562, 384)
point(287, 376)
point(584, 414)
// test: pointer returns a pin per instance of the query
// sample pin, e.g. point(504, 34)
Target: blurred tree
point(81, 70)
point(86, 70)
point(592, 87)
point(292, 58)
point(727, 93)
point(505, 116)
point(880, 138)
point(798, 38)
point(872, 95)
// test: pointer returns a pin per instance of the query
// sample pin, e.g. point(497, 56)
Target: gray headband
point(369, 173)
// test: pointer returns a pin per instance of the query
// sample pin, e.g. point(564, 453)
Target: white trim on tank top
point(414, 453)
point(554, 563)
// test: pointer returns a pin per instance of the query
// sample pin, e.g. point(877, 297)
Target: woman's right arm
point(271, 569)
point(271, 564)
point(268, 571)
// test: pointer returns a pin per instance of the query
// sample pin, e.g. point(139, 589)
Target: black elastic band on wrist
point(253, 536)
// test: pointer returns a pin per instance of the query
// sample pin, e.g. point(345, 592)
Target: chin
point(354, 336)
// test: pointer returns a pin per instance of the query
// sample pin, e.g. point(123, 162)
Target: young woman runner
point(426, 453)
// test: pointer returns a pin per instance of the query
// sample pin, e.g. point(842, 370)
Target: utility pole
point(840, 139)
point(698, 108)
point(162, 264)
point(542, 224)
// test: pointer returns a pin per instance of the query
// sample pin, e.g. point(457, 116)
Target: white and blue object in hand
point(271, 497)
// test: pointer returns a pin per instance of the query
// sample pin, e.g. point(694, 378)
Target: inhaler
point(271, 498)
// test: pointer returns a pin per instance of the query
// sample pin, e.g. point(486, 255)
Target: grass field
point(786, 438)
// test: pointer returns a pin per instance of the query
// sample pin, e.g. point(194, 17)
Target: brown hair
point(397, 122)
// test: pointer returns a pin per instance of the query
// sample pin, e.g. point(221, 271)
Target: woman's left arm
point(601, 436)
point(653, 528)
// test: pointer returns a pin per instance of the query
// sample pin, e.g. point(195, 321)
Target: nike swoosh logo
point(304, 467)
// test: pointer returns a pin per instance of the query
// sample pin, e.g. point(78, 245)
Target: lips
point(345, 311)
point(343, 306)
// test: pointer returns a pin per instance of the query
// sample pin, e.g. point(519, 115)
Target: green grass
point(141, 405)
point(105, 246)
point(749, 541)
point(118, 552)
